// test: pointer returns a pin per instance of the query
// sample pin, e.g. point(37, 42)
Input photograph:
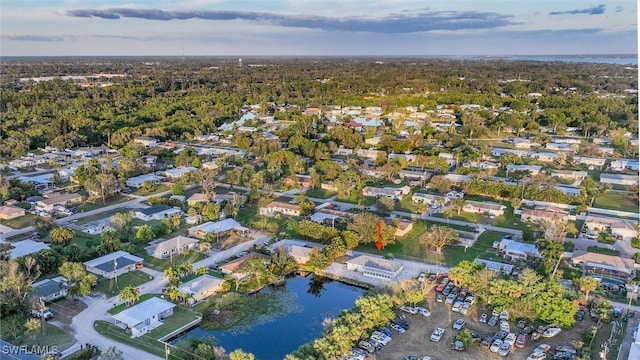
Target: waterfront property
point(174, 246)
point(144, 317)
point(114, 264)
point(200, 288)
point(375, 267)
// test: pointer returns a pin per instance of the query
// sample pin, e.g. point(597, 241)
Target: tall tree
point(62, 235)
point(80, 282)
point(438, 237)
point(130, 294)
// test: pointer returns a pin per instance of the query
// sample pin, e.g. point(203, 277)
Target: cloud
point(41, 38)
point(396, 23)
point(619, 9)
point(596, 10)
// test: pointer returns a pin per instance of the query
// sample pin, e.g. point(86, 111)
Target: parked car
point(398, 328)
point(501, 335)
point(432, 278)
point(409, 309)
point(535, 336)
point(542, 348)
point(483, 318)
point(563, 356)
point(422, 311)
point(504, 326)
point(551, 332)
point(366, 346)
point(476, 335)
point(440, 298)
point(528, 330)
point(521, 324)
point(385, 331)
point(521, 341)
point(495, 346)
point(504, 315)
point(504, 349)
point(493, 321)
point(486, 342)
point(510, 339)
point(422, 277)
point(566, 348)
point(456, 306)
point(470, 299)
point(380, 337)
point(402, 323)
point(465, 308)
point(459, 324)
point(447, 290)
point(450, 299)
point(437, 334)
point(537, 356)
point(377, 345)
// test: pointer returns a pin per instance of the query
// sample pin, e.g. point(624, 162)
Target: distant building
point(171, 247)
point(137, 182)
point(233, 266)
point(484, 207)
point(146, 141)
point(623, 228)
point(389, 192)
point(8, 212)
point(116, 263)
point(515, 250)
point(50, 289)
point(26, 247)
point(144, 317)
point(543, 214)
point(495, 266)
point(218, 227)
point(276, 207)
point(619, 179)
point(606, 266)
point(200, 288)
point(156, 212)
point(177, 173)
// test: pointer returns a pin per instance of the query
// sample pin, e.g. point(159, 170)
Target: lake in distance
point(302, 305)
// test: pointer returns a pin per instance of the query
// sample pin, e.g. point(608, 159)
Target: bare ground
point(416, 341)
point(233, 240)
point(64, 311)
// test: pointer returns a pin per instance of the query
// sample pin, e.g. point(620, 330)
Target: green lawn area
point(119, 308)
point(107, 286)
point(406, 205)
point(160, 265)
point(102, 215)
point(320, 193)
point(410, 247)
point(87, 206)
point(465, 216)
point(20, 222)
point(156, 190)
point(357, 198)
point(53, 336)
point(149, 342)
point(510, 221)
point(616, 201)
point(85, 241)
point(601, 250)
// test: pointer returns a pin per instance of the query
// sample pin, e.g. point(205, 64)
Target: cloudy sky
point(317, 27)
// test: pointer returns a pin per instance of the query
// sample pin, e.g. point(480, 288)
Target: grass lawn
point(87, 206)
point(100, 216)
point(19, 222)
point(602, 335)
point(510, 221)
point(160, 265)
point(616, 201)
point(156, 190)
point(465, 216)
point(357, 199)
point(320, 193)
point(143, 343)
point(180, 318)
point(483, 248)
point(53, 336)
point(406, 205)
point(119, 308)
point(601, 250)
point(107, 286)
point(85, 241)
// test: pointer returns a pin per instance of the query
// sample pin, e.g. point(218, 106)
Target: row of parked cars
point(383, 336)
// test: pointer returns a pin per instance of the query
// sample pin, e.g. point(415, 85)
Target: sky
point(316, 27)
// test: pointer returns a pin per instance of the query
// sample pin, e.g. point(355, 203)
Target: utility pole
point(115, 271)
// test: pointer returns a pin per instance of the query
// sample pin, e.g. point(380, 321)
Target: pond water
point(294, 316)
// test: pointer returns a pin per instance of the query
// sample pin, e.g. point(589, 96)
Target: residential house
point(457, 178)
point(156, 212)
point(404, 226)
point(233, 266)
point(303, 180)
point(144, 317)
point(375, 267)
point(451, 161)
point(515, 250)
point(344, 151)
point(532, 169)
point(415, 175)
point(324, 218)
point(371, 153)
point(174, 246)
point(624, 165)
point(137, 182)
point(149, 161)
point(212, 165)
point(408, 157)
point(114, 264)
point(544, 156)
point(589, 161)
point(200, 288)
point(49, 289)
point(177, 173)
point(53, 199)
point(520, 143)
point(146, 141)
point(556, 146)
point(619, 179)
point(389, 192)
point(301, 254)
point(623, 228)
point(606, 266)
point(484, 207)
point(429, 199)
point(542, 215)
point(569, 140)
point(218, 228)
point(277, 207)
point(41, 182)
point(8, 212)
point(197, 198)
point(26, 247)
point(495, 266)
point(569, 174)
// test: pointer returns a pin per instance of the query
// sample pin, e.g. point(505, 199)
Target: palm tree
point(586, 285)
point(130, 295)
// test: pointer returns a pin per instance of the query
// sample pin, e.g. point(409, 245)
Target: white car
point(510, 339)
point(398, 328)
point(465, 308)
point(422, 277)
point(459, 324)
point(504, 326)
point(551, 332)
point(457, 306)
point(542, 348)
point(409, 309)
point(422, 311)
point(495, 346)
point(437, 334)
point(504, 349)
point(537, 356)
point(504, 315)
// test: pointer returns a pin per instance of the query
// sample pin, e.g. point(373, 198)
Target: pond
point(295, 314)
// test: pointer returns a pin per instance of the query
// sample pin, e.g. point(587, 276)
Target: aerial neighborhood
point(516, 208)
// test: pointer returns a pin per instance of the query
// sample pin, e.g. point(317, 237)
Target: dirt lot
point(64, 311)
point(417, 339)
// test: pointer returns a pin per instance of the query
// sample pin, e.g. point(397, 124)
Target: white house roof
point(376, 263)
point(173, 243)
point(519, 247)
point(320, 217)
point(219, 226)
point(26, 247)
point(200, 284)
point(143, 311)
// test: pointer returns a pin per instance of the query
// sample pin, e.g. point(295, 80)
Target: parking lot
point(416, 340)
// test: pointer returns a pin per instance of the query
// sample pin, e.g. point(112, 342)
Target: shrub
point(635, 243)
point(606, 239)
